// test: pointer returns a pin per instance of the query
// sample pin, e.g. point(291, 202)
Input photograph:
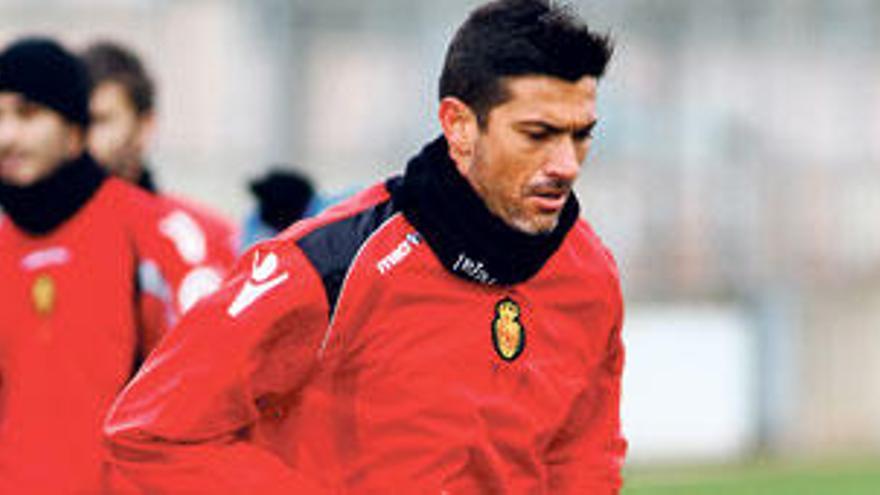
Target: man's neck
point(40, 208)
point(144, 179)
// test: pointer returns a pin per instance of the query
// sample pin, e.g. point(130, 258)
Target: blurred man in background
point(122, 108)
point(83, 259)
point(284, 196)
point(456, 329)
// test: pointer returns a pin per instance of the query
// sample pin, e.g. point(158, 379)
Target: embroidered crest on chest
point(43, 295)
point(508, 331)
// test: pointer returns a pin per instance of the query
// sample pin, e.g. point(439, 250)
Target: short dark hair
point(507, 38)
point(111, 62)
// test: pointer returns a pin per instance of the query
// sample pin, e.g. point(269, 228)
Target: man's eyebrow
point(553, 129)
point(587, 129)
point(542, 125)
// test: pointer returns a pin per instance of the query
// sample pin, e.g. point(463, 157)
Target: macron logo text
point(399, 253)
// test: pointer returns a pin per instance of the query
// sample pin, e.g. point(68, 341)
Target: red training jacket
point(71, 332)
point(345, 356)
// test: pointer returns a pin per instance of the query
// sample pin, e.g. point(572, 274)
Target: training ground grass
point(760, 478)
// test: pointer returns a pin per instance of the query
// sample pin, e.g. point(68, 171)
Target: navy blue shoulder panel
point(332, 247)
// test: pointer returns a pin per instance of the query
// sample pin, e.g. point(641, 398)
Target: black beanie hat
point(44, 72)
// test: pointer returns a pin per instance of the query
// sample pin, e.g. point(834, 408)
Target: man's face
point(34, 140)
point(118, 136)
point(527, 158)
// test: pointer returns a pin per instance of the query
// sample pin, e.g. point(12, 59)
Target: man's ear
point(461, 130)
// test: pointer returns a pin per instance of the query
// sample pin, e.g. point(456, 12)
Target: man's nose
point(565, 162)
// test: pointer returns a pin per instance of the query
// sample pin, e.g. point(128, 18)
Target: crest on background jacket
point(508, 332)
point(43, 294)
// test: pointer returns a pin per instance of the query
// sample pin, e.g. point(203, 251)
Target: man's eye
point(538, 136)
point(28, 110)
point(584, 134)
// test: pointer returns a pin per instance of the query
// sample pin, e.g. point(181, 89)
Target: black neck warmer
point(41, 207)
point(469, 240)
point(146, 182)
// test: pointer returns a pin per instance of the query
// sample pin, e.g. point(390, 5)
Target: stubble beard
point(509, 210)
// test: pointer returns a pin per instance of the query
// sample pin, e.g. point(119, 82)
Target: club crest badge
point(508, 332)
point(43, 294)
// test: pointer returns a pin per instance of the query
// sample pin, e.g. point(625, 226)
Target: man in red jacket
point(82, 258)
point(123, 120)
point(452, 330)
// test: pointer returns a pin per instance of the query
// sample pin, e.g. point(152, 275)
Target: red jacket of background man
point(220, 234)
point(202, 238)
point(74, 322)
point(406, 341)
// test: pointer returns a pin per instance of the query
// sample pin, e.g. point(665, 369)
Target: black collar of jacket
point(146, 181)
point(471, 242)
point(40, 208)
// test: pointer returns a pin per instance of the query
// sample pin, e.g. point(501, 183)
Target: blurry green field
point(861, 478)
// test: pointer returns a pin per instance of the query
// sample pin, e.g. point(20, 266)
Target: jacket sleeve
point(183, 423)
point(587, 454)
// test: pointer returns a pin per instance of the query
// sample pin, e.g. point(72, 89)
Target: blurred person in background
point(82, 258)
point(283, 196)
point(123, 122)
point(455, 329)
